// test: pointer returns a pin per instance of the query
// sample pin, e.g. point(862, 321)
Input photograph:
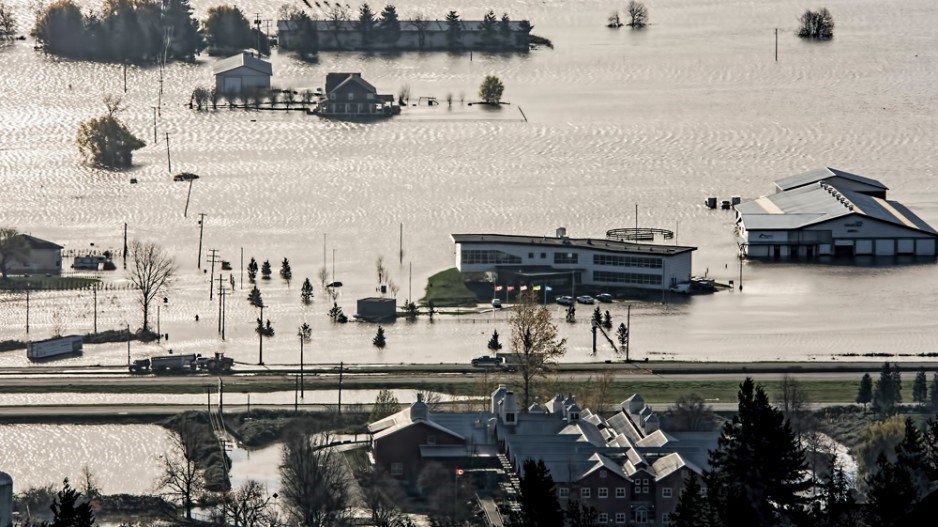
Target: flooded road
point(693, 106)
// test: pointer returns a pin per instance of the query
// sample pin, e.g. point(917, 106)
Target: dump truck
point(217, 364)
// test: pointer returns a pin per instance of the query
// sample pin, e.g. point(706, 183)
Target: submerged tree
point(379, 340)
point(638, 14)
point(265, 270)
point(252, 270)
point(314, 480)
point(182, 479)
point(389, 26)
point(152, 272)
point(8, 23)
point(306, 292)
point(491, 90)
point(285, 271)
point(453, 30)
point(227, 28)
point(365, 23)
point(818, 25)
point(494, 344)
point(105, 141)
point(254, 297)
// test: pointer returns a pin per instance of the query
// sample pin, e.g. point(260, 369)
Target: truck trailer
point(54, 348)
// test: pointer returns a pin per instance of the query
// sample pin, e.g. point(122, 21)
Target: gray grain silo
point(6, 500)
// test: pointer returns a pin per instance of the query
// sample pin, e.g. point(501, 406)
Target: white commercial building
point(592, 262)
point(828, 212)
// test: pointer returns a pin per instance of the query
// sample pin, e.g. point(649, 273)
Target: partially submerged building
point(624, 466)
point(589, 261)
point(828, 212)
point(42, 257)
point(242, 73)
point(348, 94)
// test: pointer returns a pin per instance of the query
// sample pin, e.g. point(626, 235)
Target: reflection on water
point(691, 107)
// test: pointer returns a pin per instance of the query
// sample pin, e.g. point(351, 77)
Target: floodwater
point(695, 105)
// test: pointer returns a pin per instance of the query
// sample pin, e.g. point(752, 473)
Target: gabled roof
point(602, 462)
point(38, 243)
point(667, 465)
point(243, 60)
point(401, 426)
point(820, 174)
point(821, 202)
point(334, 81)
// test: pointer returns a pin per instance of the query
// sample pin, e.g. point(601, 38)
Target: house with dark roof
point(242, 73)
point(44, 257)
point(829, 212)
point(624, 466)
point(348, 95)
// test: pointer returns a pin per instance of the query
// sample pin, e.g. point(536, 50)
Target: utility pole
point(154, 124)
point(242, 269)
point(125, 77)
point(776, 44)
point(323, 249)
point(221, 290)
point(95, 289)
point(224, 301)
point(125, 245)
point(402, 244)
point(198, 262)
point(740, 271)
point(128, 345)
point(333, 269)
point(27, 308)
point(185, 212)
point(260, 337)
point(211, 286)
point(159, 331)
point(410, 283)
point(341, 367)
point(169, 162)
point(628, 327)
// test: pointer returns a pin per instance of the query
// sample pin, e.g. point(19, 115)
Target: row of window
point(351, 96)
point(476, 256)
point(626, 261)
point(566, 258)
point(626, 278)
point(640, 516)
point(641, 487)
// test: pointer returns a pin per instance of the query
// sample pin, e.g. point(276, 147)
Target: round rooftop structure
point(638, 234)
point(5, 479)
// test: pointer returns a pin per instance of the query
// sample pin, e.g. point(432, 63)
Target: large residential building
point(597, 263)
point(624, 466)
point(828, 212)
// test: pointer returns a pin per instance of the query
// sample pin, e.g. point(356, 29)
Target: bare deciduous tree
point(152, 272)
point(382, 495)
point(182, 480)
point(690, 412)
point(534, 341)
point(8, 24)
point(421, 22)
point(638, 14)
point(793, 403)
point(247, 506)
point(314, 480)
point(13, 248)
point(336, 17)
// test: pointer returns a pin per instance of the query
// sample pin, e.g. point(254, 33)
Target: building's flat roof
point(595, 244)
point(820, 202)
point(820, 174)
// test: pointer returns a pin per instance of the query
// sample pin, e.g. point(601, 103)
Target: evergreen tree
point(494, 344)
point(68, 511)
point(886, 394)
point(933, 392)
point(538, 499)
point(489, 28)
point(834, 504)
point(607, 320)
point(889, 495)
point(453, 30)
point(911, 457)
point(285, 271)
point(366, 23)
point(386, 403)
point(226, 28)
point(756, 471)
point(306, 293)
point(920, 388)
point(265, 270)
point(581, 514)
point(411, 310)
point(597, 317)
point(254, 297)
point(930, 441)
point(336, 314)
point(185, 40)
point(264, 330)
point(389, 25)
point(379, 340)
point(252, 270)
point(865, 393)
point(504, 28)
point(691, 510)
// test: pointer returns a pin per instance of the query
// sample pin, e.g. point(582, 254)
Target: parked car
point(605, 298)
point(496, 303)
point(585, 299)
point(487, 361)
point(565, 300)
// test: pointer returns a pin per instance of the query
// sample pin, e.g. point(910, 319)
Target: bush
point(491, 90)
point(106, 141)
point(818, 24)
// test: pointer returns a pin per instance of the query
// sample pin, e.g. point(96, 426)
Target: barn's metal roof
point(242, 59)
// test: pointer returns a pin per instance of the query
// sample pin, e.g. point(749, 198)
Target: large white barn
point(592, 262)
point(828, 212)
point(242, 73)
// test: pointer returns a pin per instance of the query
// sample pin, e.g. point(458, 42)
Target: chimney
point(561, 232)
point(497, 397)
point(509, 408)
point(419, 410)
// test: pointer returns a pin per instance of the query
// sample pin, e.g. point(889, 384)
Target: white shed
point(242, 73)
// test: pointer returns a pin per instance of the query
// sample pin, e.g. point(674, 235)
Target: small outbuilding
point(242, 73)
point(43, 257)
point(377, 310)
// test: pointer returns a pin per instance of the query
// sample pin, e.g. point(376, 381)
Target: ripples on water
point(693, 106)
